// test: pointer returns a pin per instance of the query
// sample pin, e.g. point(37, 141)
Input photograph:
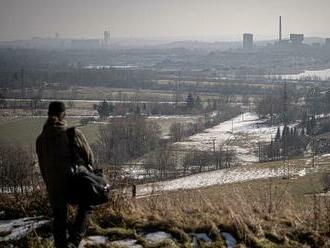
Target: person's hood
point(54, 126)
point(55, 121)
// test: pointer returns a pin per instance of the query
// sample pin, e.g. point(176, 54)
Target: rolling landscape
point(206, 142)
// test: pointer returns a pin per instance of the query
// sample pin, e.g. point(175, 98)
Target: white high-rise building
point(106, 38)
point(247, 41)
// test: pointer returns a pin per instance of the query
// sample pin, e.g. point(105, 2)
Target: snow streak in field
point(224, 176)
point(242, 134)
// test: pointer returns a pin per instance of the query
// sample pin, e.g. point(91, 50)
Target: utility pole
point(22, 86)
point(214, 155)
point(280, 30)
point(285, 104)
point(313, 151)
point(285, 121)
point(213, 141)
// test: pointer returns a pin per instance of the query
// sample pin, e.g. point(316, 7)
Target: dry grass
point(20, 206)
point(261, 213)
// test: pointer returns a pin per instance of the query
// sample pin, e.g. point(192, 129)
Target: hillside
point(282, 211)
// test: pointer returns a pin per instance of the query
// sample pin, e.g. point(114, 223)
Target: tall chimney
point(280, 29)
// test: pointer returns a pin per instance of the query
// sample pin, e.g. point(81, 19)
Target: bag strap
point(70, 132)
point(75, 150)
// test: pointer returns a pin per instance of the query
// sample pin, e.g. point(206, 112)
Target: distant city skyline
point(159, 19)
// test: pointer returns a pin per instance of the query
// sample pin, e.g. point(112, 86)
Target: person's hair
point(55, 108)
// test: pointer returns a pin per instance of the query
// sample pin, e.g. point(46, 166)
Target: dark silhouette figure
point(54, 157)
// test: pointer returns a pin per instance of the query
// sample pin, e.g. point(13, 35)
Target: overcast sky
point(20, 19)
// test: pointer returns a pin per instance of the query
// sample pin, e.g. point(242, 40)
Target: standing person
point(55, 160)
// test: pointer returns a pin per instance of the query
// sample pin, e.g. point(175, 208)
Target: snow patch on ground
point(242, 134)
point(93, 240)
point(308, 162)
point(154, 239)
point(230, 240)
point(156, 117)
point(129, 243)
point(200, 237)
point(324, 194)
point(18, 228)
point(157, 237)
point(232, 175)
point(302, 172)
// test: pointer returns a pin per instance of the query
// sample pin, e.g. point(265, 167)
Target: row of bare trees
point(169, 162)
point(179, 130)
point(125, 139)
point(135, 139)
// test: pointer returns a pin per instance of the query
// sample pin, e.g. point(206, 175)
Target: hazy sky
point(161, 18)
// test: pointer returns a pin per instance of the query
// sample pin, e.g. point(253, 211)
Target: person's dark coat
point(54, 157)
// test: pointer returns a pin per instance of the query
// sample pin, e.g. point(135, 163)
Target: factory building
point(296, 39)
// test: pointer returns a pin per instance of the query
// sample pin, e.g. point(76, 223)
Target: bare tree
point(126, 138)
point(177, 131)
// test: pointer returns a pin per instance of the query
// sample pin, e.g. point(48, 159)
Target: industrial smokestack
point(280, 29)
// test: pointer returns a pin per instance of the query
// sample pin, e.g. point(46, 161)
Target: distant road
point(90, 101)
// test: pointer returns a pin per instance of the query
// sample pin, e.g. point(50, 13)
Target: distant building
point(327, 43)
point(296, 39)
point(106, 38)
point(85, 44)
point(280, 30)
point(247, 41)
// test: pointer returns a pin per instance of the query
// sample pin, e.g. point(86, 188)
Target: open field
point(24, 130)
point(293, 168)
point(99, 93)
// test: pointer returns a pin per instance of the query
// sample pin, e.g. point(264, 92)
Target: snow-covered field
point(318, 74)
point(242, 134)
point(225, 176)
